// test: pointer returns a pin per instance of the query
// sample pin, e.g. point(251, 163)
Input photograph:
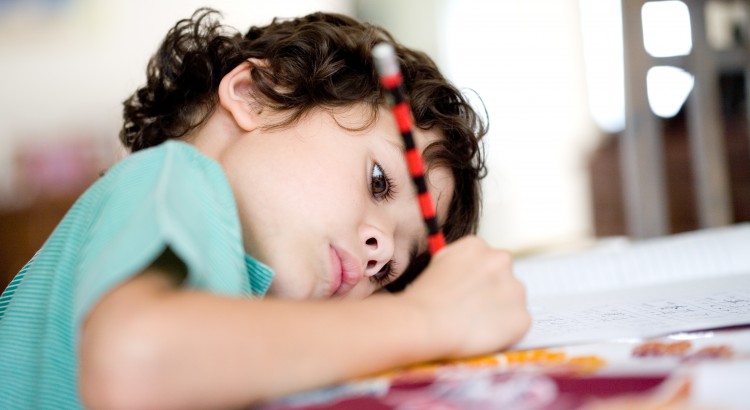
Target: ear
point(236, 95)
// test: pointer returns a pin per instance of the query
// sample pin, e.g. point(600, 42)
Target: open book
point(685, 282)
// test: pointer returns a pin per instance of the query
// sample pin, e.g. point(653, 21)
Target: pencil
point(389, 72)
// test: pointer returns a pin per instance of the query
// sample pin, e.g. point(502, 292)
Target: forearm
point(196, 349)
point(151, 344)
point(268, 348)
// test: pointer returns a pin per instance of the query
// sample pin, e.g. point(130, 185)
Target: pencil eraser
point(385, 59)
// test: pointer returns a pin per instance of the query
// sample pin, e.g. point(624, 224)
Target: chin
point(293, 291)
point(359, 292)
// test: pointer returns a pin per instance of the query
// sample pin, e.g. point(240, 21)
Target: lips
point(346, 271)
point(336, 270)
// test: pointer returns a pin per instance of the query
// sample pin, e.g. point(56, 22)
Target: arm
point(150, 343)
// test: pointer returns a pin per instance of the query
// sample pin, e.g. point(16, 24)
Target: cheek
point(317, 175)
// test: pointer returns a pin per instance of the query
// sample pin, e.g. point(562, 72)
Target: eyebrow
point(437, 206)
point(396, 146)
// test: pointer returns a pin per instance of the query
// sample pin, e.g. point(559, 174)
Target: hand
point(472, 302)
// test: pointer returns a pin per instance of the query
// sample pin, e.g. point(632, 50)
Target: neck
point(216, 134)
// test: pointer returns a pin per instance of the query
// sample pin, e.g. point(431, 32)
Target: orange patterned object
point(662, 349)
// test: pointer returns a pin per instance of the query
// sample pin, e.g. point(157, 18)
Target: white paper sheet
point(675, 284)
point(639, 313)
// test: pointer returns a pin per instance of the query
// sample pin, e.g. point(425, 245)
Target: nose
point(379, 248)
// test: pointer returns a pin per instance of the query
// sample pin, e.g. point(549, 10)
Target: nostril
point(371, 241)
point(371, 264)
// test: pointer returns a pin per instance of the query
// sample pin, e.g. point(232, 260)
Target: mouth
point(345, 271)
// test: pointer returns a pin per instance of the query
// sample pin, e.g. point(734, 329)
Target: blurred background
point(608, 118)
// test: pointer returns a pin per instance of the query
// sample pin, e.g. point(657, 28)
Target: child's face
point(327, 208)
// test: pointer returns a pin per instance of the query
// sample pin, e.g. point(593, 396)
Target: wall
point(65, 70)
point(524, 61)
point(65, 73)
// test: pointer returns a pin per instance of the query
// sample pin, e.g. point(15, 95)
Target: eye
point(381, 185)
point(386, 274)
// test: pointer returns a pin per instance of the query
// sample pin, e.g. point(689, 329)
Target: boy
point(263, 165)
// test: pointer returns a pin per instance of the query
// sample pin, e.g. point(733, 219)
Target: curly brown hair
point(322, 60)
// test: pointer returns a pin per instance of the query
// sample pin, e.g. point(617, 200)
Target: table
point(679, 371)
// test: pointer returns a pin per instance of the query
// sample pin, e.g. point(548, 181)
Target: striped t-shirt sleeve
point(178, 199)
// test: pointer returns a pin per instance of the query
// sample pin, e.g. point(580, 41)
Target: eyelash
point(390, 187)
point(386, 273)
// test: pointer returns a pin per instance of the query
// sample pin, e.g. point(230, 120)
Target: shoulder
point(159, 192)
point(170, 196)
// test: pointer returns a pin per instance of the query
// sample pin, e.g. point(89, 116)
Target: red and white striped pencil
point(389, 72)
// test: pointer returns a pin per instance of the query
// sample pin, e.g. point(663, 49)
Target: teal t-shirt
point(167, 196)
